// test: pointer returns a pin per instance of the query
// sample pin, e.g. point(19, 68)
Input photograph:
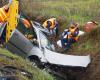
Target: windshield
point(44, 41)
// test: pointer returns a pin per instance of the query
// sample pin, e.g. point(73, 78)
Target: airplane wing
point(67, 60)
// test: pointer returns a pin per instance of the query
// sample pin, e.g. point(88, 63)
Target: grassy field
point(22, 64)
point(65, 11)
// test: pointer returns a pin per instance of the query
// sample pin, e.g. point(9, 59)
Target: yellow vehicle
point(11, 18)
point(8, 16)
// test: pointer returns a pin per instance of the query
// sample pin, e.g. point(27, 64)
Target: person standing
point(52, 26)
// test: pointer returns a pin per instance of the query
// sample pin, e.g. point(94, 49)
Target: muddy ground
point(92, 72)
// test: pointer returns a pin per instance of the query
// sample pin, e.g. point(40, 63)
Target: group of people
point(70, 35)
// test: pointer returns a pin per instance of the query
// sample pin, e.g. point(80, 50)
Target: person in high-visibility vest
point(69, 36)
point(4, 14)
point(52, 25)
point(25, 22)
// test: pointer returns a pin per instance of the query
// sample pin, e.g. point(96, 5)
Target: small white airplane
point(44, 51)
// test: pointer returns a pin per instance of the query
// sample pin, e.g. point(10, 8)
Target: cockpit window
point(44, 41)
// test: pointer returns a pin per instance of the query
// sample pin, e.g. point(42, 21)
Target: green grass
point(23, 64)
point(65, 11)
point(77, 10)
point(7, 53)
